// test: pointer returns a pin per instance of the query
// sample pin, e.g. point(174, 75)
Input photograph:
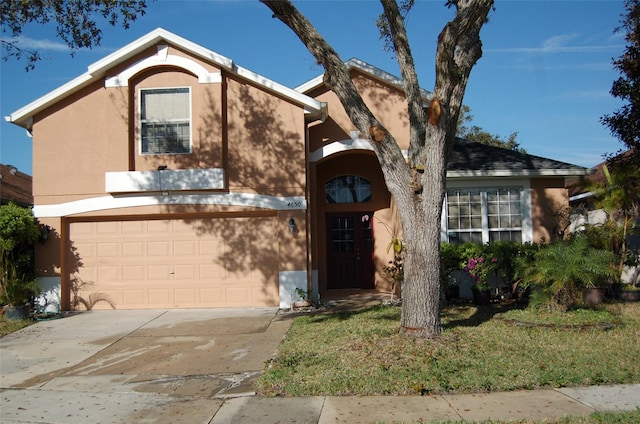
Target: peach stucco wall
point(256, 136)
point(549, 203)
point(387, 103)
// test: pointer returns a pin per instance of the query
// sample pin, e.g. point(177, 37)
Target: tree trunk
point(417, 186)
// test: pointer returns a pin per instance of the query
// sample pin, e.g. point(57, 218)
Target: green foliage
point(479, 135)
point(19, 231)
point(625, 122)
point(561, 269)
point(619, 197)
point(75, 20)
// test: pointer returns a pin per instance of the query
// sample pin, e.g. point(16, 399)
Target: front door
point(350, 251)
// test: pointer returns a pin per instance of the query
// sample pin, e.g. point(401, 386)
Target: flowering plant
point(479, 268)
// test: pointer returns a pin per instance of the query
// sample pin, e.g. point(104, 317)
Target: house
point(189, 181)
point(15, 186)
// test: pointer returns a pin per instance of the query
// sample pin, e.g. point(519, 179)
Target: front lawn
point(9, 326)
point(481, 349)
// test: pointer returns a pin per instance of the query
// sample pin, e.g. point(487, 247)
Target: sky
point(545, 73)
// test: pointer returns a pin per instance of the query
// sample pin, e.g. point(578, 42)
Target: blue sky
point(546, 71)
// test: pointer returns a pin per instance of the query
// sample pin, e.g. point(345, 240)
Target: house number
point(297, 204)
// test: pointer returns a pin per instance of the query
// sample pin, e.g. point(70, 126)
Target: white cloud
point(40, 45)
point(559, 44)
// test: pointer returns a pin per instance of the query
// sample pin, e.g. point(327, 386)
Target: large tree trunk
point(417, 185)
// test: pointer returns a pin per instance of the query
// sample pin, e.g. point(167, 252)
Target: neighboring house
point(184, 180)
point(15, 186)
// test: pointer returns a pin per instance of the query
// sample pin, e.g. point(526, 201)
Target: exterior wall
point(387, 103)
point(549, 208)
point(256, 137)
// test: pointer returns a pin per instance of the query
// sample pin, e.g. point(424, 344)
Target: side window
point(165, 121)
point(348, 189)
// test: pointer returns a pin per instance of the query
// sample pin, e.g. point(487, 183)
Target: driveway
point(126, 363)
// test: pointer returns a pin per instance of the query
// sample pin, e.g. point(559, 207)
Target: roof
point(98, 70)
point(578, 187)
point(471, 159)
point(15, 186)
point(362, 66)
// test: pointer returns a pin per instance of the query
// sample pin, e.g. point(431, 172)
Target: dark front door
point(350, 251)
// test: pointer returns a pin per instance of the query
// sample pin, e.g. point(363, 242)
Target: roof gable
point(98, 70)
point(374, 72)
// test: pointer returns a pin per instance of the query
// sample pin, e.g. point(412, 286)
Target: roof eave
point(24, 116)
point(570, 172)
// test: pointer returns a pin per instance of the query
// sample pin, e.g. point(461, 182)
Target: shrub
point(561, 269)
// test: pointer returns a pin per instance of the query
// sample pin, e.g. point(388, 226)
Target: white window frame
point(526, 227)
point(142, 121)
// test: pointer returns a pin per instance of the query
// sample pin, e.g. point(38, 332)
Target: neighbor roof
point(15, 186)
point(96, 71)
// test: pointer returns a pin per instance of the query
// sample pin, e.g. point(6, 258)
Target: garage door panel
point(195, 263)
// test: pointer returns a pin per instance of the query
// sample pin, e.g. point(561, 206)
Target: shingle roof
point(470, 158)
point(15, 186)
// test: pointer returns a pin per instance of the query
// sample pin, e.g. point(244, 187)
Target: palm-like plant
point(562, 269)
point(619, 197)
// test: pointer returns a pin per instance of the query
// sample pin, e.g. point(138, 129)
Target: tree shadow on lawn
point(453, 314)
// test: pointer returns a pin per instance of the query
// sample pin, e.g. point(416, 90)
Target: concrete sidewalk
point(80, 407)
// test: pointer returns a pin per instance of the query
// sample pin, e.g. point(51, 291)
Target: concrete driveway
point(129, 366)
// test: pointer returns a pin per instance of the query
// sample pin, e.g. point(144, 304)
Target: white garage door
point(203, 262)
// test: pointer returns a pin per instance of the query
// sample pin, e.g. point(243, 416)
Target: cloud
point(559, 44)
point(40, 45)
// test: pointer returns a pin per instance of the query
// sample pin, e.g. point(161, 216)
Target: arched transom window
point(348, 189)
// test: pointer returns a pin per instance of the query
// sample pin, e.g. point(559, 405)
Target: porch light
point(292, 225)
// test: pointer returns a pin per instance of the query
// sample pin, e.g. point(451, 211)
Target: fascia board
point(521, 173)
point(310, 104)
point(22, 116)
point(151, 39)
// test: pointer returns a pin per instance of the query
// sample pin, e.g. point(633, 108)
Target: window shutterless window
point(165, 120)
point(483, 215)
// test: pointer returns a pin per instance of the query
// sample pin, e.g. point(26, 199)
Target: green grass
point(362, 353)
point(9, 326)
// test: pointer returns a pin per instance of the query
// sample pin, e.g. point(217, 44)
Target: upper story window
point(348, 189)
point(165, 120)
point(484, 215)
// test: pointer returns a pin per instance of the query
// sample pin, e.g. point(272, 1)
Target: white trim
point(517, 173)
point(375, 72)
point(581, 196)
point(166, 180)
point(343, 146)
point(228, 199)
point(97, 70)
point(204, 76)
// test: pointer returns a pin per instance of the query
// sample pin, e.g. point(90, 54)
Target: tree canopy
point(625, 122)
point(478, 134)
point(77, 22)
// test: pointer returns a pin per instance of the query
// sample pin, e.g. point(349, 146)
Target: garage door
point(204, 262)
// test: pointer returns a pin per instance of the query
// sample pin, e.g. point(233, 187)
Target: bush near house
point(19, 231)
